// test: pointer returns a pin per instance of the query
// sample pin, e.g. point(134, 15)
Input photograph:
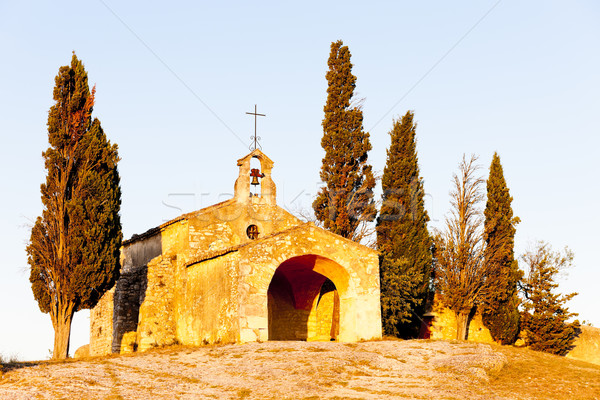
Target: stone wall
point(130, 291)
point(136, 253)
point(222, 226)
point(285, 321)
point(353, 269)
point(222, 296)
point(156, 325)
point(207, 302)
point(114, 321)
point(101, 325)
point(313, 318)
point(444, 325)
point(324, 322)
point(200, 278)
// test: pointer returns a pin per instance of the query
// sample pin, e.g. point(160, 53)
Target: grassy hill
point(587, 345)
point(298, 370)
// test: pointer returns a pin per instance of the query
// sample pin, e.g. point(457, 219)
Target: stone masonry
point(239, 271)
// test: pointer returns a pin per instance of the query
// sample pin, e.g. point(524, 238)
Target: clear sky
point(174, 80)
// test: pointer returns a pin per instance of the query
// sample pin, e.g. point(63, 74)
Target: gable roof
point(209, 255)
point(184, 217)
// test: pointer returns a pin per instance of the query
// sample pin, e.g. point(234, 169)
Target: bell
point(255, 174)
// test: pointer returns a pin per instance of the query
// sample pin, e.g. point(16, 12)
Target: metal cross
point(255, 145)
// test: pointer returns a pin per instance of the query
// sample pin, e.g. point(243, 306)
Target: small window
point(252, 232)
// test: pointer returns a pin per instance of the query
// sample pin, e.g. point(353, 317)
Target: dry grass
point(11, 359)
point(300, 370)
point(531, 374)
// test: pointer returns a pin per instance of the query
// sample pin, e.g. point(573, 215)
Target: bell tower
point(258, 178)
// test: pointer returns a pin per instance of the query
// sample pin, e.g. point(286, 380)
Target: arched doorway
point(304, 304)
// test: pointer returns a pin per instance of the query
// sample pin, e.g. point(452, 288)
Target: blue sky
point(174, 82)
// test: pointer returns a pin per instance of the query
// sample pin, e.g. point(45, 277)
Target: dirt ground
point(299, 370)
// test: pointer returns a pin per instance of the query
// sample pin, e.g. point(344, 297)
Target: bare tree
point(364, 233)
point(460, 270)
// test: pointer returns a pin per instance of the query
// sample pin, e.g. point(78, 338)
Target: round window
point(252, 232)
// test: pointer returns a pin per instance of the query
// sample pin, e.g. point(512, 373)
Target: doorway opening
point(302, 304)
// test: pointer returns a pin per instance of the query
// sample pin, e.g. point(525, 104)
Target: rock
point(82, 352)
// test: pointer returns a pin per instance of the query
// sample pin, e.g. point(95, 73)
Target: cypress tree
point(500, 313)
point(347, 199)
point(74, 247)
point(545, 315)
point(402, 236)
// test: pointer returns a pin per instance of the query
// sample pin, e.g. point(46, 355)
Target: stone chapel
point(243, 270)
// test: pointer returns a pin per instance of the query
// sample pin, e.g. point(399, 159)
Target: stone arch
point(352, 269)
point(306, 299)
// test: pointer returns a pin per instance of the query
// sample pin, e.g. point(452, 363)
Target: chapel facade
point(242, 270)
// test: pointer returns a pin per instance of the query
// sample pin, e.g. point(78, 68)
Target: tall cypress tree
point(74, 246)
point(347, 199)
point(500, 313)
point(402, 236)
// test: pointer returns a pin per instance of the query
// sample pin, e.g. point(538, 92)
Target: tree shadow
point(574, 333)
point(469, 319)
point(15, 365)
point(130, 293)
